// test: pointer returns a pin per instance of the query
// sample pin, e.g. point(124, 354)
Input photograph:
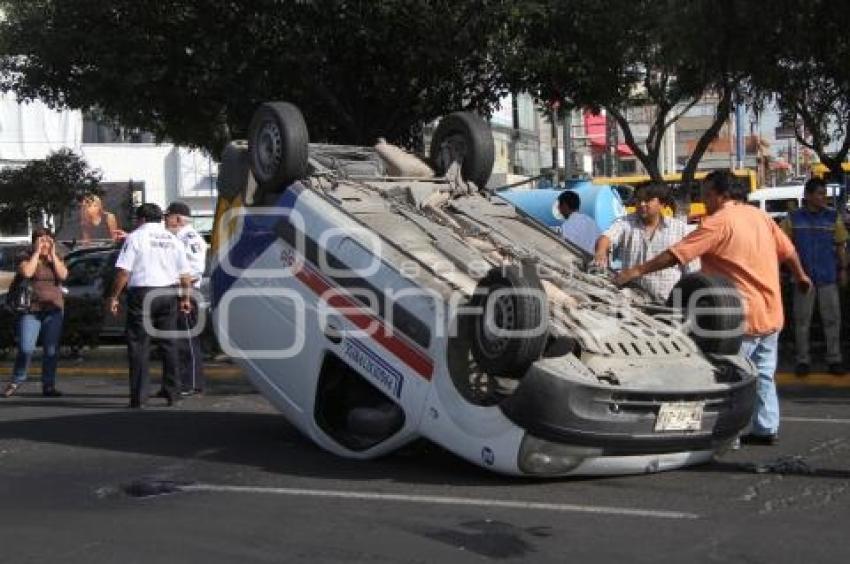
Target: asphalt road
point(224, 479)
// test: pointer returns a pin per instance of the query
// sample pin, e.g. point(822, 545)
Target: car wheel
point(714, 310)
point(277, 147)
point(234, 170)
point(511, 323)
point(466, 138)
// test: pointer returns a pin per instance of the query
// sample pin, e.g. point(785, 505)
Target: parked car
point(778, 201)
point(91, 272)
point(90, 275)
point(9, 253)
point(84, 320)
point(375, 309)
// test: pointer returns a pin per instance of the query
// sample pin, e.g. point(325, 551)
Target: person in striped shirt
point(643, 235)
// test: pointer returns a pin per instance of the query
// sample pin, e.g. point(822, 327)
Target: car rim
point(454, 149)
point(269, 147)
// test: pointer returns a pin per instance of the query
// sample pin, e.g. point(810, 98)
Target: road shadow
point(73, 400)
point(261, 440)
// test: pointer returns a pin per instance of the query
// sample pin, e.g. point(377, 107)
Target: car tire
point(466, 136)
point(725, 315)
point(277, 147)
point(234, 170)
point(520, 305)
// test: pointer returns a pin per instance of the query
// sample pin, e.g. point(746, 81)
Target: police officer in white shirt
point(190, 357)
point(151, 258)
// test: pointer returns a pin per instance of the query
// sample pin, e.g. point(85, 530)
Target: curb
point(234, 373)
point(813, 380)
point(216, 373)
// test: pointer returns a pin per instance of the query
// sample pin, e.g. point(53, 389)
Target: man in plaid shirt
point(642, 235)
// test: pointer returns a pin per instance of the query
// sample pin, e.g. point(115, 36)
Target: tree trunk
point(832, 161)
point(649, 157)
point(724, 106)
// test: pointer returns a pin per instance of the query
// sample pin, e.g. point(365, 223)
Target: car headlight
point(545, 458)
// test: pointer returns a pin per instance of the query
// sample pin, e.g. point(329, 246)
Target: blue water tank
point(599, 201)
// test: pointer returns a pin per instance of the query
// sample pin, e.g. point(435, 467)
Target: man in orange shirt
point(744, 245)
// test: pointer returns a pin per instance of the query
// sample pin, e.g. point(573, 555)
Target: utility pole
point(514, 133)
point(740, 148)
point(730, 139)
point(568, 143)
point(796, 157)
point(554, 119)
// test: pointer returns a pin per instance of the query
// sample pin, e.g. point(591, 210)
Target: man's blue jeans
point(763, 352)
point(49, 325)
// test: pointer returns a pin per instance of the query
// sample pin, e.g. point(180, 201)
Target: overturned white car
point(375, 300)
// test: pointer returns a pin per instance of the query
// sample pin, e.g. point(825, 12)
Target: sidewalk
point(110, 362)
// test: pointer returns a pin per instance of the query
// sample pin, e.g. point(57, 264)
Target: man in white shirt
point(578, 228)
point(178, 220)
point(152, 258)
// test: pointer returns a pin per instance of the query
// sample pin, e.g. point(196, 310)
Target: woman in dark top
point(46, 271)
point(97, 224)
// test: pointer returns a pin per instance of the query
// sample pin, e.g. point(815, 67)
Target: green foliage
point(804, 65)
point(619, 54)
point(46, 187)
point(194, 71)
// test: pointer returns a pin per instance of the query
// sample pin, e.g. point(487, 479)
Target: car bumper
point(605, 421)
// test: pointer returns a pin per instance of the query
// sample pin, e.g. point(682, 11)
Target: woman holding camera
point(45, 271)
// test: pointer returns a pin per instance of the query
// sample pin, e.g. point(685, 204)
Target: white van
point(374, 304)
point(778, 201)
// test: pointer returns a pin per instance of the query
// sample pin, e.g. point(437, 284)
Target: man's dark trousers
point(162, 312)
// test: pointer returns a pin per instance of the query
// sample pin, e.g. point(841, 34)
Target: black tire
point(277, 146)
point(470, 138)
point(523, 308)
point(234, 169)
point(720, 329)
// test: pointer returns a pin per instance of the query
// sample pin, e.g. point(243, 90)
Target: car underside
point(516, 318)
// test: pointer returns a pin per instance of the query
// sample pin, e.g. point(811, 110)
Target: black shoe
point(837, 369)
point(135, 405)
point(802, 369)
point(51, 393)
point(764, 440)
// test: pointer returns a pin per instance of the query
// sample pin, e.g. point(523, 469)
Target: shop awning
point(594, 128)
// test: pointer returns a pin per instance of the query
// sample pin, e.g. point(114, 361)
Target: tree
point(45, 189)
point(193, 71)
point(806, 70)
point(620, 54)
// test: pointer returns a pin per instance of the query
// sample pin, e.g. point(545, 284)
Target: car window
point(84, 271)
point(9, 255)
point(783, 205)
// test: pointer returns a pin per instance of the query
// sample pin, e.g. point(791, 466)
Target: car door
point(112, 325)
point(86, 284)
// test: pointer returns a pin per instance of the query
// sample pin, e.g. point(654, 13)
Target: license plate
point(679, 416)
